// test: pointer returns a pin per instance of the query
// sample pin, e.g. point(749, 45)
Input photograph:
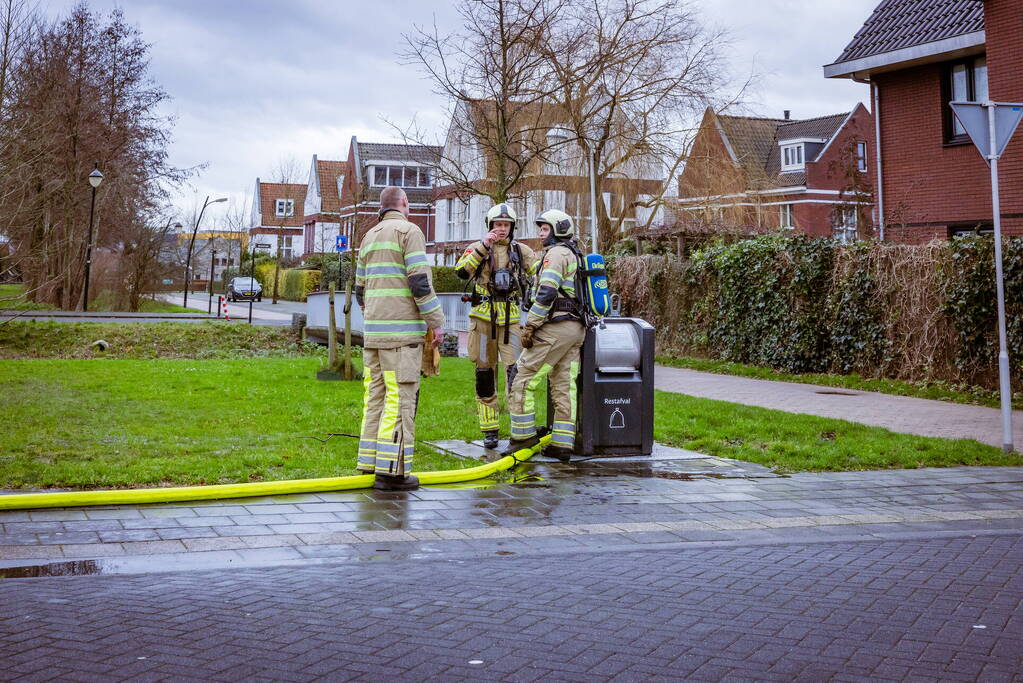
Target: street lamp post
point(95, 178)
point(188, 259)
point(213, 262)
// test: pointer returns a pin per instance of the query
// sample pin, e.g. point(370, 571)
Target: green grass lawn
point(109, 423)
point(937, 390)
point(12, 298)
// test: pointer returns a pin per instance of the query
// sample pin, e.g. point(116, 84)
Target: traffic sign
point(341, 243)
point(976, 120)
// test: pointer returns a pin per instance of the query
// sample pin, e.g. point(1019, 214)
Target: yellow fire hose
point(25, 501)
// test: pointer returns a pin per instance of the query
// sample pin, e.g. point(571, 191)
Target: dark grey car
point(242, 288)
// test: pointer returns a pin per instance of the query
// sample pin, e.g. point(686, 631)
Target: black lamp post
point(188, 259)
point(213, 262)
point(95, 178)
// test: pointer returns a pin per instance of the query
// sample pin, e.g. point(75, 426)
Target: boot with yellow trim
point(396, 482)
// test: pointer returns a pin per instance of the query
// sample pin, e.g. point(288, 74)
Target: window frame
point(789, 211)
point(861, 156)
point(289, 208)
point(949, 136)
point(797, 165)
point(392, 173)
point(840, 229)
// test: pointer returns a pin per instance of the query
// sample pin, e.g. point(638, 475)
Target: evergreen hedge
point(799, 304)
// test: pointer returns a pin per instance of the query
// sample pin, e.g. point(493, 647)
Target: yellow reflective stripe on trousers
point(529, 405)
point(573, 387)
point(488, 417)
point(367, 447)
point(387, 449)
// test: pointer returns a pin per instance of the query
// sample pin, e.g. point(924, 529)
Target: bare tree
point(632, 75)
point(285, 172)
point(79, 95)
point(495, 78)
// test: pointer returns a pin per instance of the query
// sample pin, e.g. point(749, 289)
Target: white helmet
point(560, 222)
point(501, 212)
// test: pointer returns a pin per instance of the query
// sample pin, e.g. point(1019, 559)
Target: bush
point(799, 304)
point(298, 283)
point(445, 280)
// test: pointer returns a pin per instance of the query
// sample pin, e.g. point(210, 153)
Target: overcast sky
point(256, 81)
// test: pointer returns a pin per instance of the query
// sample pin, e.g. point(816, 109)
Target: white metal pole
point(1003, 347)
point(595, 247)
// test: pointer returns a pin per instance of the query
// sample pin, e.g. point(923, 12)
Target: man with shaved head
point(394, 289)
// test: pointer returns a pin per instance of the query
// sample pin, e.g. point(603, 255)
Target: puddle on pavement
point(71, 568)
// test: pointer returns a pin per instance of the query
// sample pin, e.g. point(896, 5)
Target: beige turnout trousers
point(388, 436)
point(555, 354)
point(486, 352)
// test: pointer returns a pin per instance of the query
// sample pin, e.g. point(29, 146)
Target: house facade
point(372, 167)
point(751, 174)
point(278, 211)
point(917, 56)
point(557, 178)
point(322, 206)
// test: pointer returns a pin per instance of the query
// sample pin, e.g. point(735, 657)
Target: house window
point(965, 81)
point(284, 207)
point(450, 206)
point(844, 224)
point(788, 219)
point(792, 158)
point(466, 219)
point(401, 176)
point(861, 157)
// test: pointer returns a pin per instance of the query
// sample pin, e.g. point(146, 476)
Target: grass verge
point(937, 390)
point(118, 423)
point(206, 339)
point(12, 298)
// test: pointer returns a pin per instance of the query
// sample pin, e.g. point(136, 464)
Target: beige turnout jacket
point(394, 285)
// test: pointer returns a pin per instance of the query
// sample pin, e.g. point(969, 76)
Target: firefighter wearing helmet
point(497, 269)
point(552, 336)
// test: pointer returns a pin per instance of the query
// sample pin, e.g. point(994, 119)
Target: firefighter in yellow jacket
point(394, 289)
point(498, 270)
point(551, 339)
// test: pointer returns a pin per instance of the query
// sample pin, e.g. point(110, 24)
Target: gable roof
point(327, 173)
point(907, 30)
point(269, 193)
point(753, 143)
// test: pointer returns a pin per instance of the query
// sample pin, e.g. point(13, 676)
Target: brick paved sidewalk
point(939, 609)
point(594, 505)
point(897, 413)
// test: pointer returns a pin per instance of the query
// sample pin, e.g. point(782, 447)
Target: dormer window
point(792, 158)
point(284, 207)
point(401, 176)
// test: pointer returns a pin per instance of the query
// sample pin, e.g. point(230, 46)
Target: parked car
point(244, 288)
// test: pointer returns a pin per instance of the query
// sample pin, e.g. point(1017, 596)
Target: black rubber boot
point(558, 452)
point(514, 445)
point(490, 439)
point(391, 482)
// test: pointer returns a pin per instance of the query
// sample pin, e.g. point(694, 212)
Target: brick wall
point(928, 184)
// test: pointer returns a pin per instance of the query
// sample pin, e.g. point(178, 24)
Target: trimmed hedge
point(798, 305)
point(298, 283)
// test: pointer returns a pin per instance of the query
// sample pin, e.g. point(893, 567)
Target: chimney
point(787, 112)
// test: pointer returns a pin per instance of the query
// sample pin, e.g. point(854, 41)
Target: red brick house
point(917, 56)
point(375, 166)
point(277, 213)
point(323, 205)
point(759, 174)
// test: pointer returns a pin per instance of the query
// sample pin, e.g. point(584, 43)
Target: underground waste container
point(615, 405)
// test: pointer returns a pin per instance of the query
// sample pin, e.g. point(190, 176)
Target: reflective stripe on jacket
point(395, 284)
point(557, 279)
point(477, 256)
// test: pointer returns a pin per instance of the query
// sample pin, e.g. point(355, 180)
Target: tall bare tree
point(632, 76)
point(79, 95)
point(495, 77)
